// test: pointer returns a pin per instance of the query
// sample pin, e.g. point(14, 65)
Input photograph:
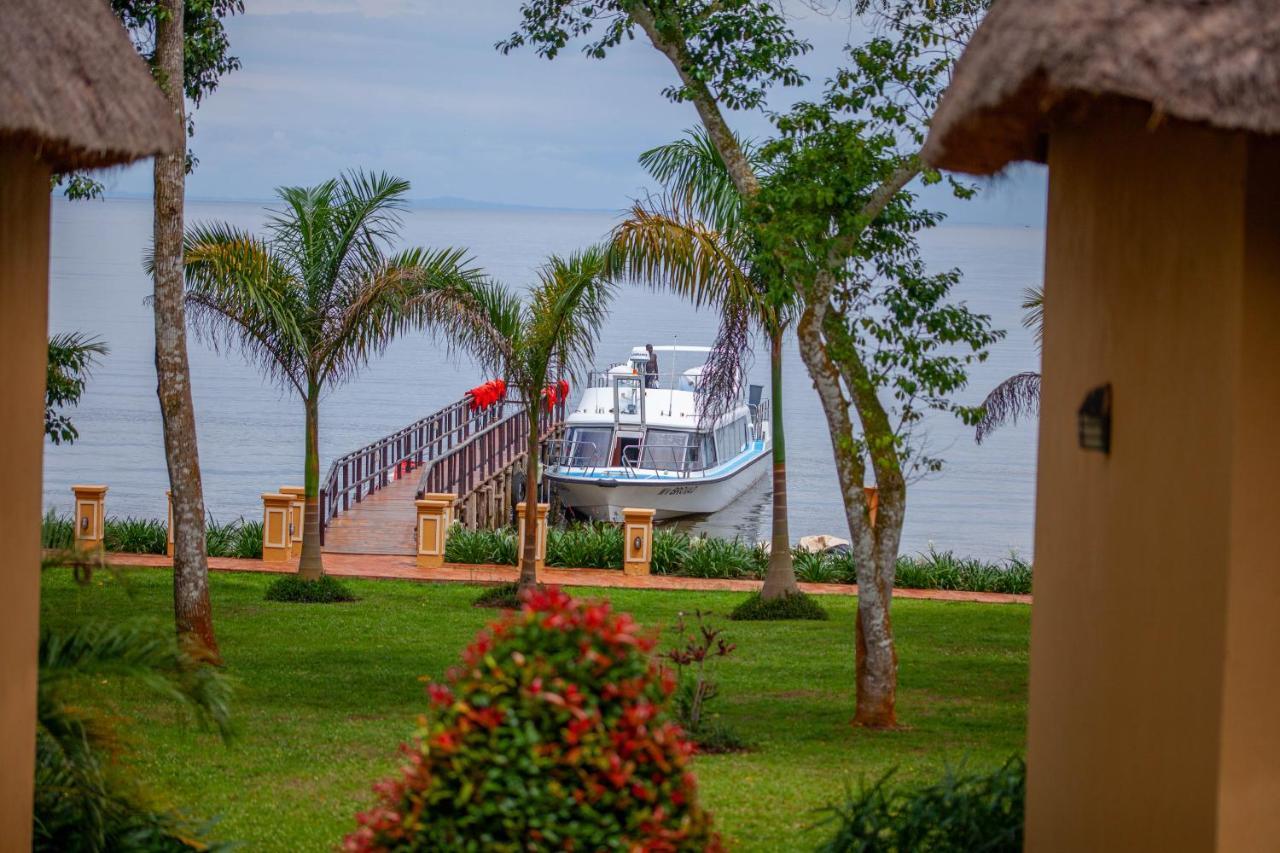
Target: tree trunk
point(311, 564)
point(780, 579)
point(876, 547)
point(193, 616)
point(529, 547)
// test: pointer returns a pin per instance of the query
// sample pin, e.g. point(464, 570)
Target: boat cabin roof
point(641, 351)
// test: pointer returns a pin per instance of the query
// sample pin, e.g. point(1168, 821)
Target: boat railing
point(761, 420)
point(682, 460)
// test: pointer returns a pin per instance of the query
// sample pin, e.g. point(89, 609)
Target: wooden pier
point(473, 453)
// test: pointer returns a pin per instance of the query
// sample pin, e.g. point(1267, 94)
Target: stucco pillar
point(90, 516)
point(24, 328)
point(540, 535)
point(433, 531)
point(277, 544)
point(296, 511)
point(448, 498)
point(637, 541)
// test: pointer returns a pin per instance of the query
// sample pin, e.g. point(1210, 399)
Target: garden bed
point(599, 546)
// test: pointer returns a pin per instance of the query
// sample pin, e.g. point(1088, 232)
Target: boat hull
point(605, 498)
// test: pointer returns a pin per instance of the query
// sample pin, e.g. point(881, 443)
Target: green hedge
point(131, 535)
point(598, 545)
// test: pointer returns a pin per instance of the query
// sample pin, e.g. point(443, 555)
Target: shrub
point(670, 550)
point(56, 531)
point(237, 538)
point(586, 546)
point(795, 605)
point(481, 546)
point(813, 567)
point(505, 595)
point(960, 813)
point(248, 541)
point(292, 588)
point(944, 570)
point(697, 646)
point(135, 535)
point(723, 558)
point(554, 734)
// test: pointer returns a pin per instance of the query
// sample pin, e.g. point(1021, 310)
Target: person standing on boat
point(651, 369)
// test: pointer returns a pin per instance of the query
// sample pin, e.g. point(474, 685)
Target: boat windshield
point(588, 447)
point(676, 450)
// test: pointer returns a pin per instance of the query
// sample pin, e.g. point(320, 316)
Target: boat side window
point(589, 446)
point(731, 438)
point(708, 449)
point(666, 450)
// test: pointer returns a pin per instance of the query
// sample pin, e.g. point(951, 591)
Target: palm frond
point(240, 294)
point(139, 652)
point(414, 289)
point(692, 170)
point(1018, 396)
point(567, 311)
point(1033, 305)
point(71, 357)
point(720, 385)
point(83, 795)
point(664, 246)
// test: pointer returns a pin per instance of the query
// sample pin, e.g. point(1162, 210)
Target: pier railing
point(477, 465)
point(457, 448)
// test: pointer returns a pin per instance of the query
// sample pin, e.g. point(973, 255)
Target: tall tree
point(693, 241)
point(314, 302)
point(834, 220)
point(535, 342)
point(193, 614)
point(187, 48)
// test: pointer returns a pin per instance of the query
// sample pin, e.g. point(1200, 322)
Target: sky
point(416, 88)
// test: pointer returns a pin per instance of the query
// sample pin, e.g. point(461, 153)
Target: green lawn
point(325, 693)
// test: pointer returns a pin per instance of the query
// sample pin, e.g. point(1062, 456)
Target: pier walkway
point(466, 450)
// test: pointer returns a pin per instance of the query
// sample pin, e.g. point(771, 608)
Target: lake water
point(250, 432)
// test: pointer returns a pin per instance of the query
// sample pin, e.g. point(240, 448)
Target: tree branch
point(735, 160)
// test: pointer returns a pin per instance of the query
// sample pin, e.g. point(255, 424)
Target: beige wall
point(1152, 724)
point(24, 270)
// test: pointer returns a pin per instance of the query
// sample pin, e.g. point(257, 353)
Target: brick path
point(381, 566)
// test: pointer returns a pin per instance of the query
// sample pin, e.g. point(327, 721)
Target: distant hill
point(453, 202)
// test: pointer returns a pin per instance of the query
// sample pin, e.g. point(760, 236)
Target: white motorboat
point(635, 439)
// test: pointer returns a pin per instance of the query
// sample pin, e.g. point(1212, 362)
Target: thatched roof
point(1212, 61)
point(73, 87)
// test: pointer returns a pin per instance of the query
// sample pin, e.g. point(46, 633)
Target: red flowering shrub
point(555, 735)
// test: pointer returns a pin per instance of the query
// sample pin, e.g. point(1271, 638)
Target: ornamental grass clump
point(554, 734)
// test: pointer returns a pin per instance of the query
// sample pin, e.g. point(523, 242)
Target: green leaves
point(735, 49)
point(71, 355)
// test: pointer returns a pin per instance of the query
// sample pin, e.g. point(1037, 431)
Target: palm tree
point(313, 302)
point(692, 241)
point(530, 344)
point(1019, 395)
